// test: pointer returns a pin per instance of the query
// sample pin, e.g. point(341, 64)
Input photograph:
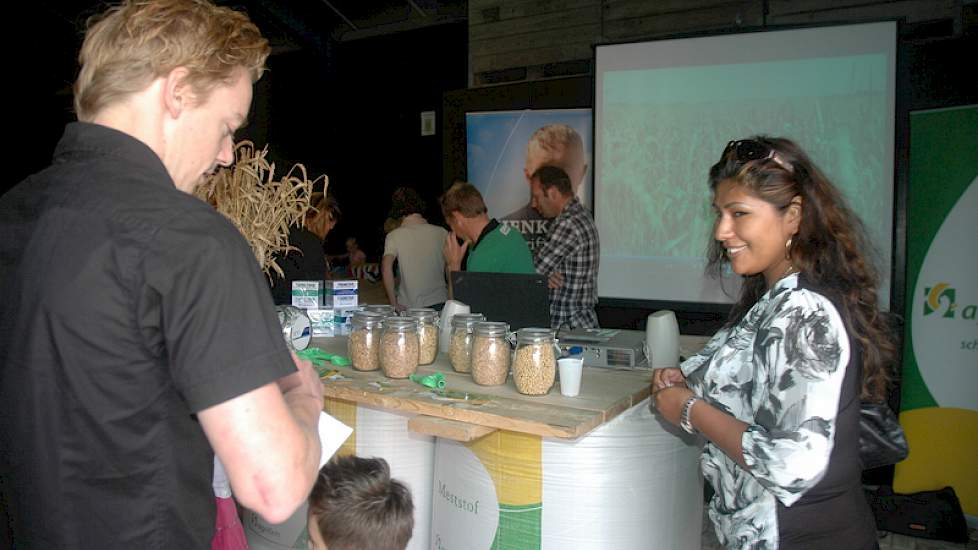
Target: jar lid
point(367, 319)
point(467, 320)
point(400, 324)
point(385, 309)
point(424, 314)
point(491, 328)
point(534, 335)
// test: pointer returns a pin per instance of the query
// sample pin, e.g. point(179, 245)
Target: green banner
point(940, 355)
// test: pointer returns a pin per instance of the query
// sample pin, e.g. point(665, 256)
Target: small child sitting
point(355, 505)
point(359, 268)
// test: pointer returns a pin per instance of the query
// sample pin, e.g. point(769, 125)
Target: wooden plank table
point(605, 393)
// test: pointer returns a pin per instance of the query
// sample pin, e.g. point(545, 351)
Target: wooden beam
point(448, 429)
point(852, 11)
point(525, 58)
point(585, 34)
point(735, 15)
point(626, 9)
point(491, 11)
point(535, 23)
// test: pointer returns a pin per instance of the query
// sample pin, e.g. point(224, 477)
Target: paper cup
point(451, 308)
point(571, 369)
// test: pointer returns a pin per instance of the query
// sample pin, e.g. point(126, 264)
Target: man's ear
point(177, 94)
point(459, 220)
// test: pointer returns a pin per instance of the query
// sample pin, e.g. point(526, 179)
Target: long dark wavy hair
point(830, 249)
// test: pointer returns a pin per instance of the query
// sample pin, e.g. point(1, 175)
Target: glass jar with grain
point(427, 333)
point(490, 353)
point(364, 342)
point(535, 361)
point(399, 347)
point(460, 348)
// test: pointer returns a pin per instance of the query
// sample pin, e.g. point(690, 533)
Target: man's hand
point(454, 252)
point(555, 280)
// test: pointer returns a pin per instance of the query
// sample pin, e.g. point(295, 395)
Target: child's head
point(351, 244)
point(355, 505)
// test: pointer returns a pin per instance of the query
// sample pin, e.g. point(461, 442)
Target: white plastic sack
point(632, 483)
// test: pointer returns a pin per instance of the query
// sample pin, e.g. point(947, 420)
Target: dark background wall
point(358, 120)
point(346, 108)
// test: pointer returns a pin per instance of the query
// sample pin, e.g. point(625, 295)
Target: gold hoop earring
point(787, 249)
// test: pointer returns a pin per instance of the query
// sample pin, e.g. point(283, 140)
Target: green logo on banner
point(934, 299)
point(943, 294)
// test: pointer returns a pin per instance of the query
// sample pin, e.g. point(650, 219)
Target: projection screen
point(664, 111)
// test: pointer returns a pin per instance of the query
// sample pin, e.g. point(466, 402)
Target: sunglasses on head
point(747, 150)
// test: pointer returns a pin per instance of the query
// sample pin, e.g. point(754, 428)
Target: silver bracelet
point(684, 421)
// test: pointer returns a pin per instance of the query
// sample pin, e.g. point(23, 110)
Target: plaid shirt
point(572, 250)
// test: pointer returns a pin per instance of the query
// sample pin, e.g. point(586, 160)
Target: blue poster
point(506, 147)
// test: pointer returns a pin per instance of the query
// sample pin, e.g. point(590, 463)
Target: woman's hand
point(669, 402)
point(665, 378)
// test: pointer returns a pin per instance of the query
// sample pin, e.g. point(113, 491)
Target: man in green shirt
point(491, 246)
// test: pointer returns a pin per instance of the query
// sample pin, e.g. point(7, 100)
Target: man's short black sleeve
point(218, 323)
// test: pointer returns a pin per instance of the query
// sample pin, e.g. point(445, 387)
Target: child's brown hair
point(357, 506)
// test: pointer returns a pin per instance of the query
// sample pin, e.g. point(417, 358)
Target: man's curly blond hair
point(131, 44)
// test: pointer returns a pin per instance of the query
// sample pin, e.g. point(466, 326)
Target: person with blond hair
point(138, 338)
point(556, 145)
point(305, 260)
point(490, 246)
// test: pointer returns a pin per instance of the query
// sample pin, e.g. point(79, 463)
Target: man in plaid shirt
point(570, 256)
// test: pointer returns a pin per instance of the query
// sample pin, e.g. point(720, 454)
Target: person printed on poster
point(550, 145)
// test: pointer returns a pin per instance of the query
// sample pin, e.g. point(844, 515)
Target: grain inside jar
point(535, 361)
point(427, 333)
point(460, 348)
point(399, 347)
point(490, 354)
point(364, 342)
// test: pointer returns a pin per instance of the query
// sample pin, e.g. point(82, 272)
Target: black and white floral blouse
point(781, 371)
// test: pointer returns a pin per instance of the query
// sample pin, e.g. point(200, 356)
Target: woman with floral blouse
point(777, 391)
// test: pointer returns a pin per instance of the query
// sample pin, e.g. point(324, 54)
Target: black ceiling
point(287, 22)
point(44, 35)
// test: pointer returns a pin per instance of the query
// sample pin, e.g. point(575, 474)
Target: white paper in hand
point(332, 434)
point(221, 483)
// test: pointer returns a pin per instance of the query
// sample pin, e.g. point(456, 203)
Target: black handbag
point(881, 438)
point(927, 514)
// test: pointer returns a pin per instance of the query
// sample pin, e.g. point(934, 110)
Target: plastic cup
point(571, 369)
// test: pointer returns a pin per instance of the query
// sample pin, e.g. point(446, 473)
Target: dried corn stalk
point(261, 207)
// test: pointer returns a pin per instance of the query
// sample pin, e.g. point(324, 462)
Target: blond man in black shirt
point(137, 335)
